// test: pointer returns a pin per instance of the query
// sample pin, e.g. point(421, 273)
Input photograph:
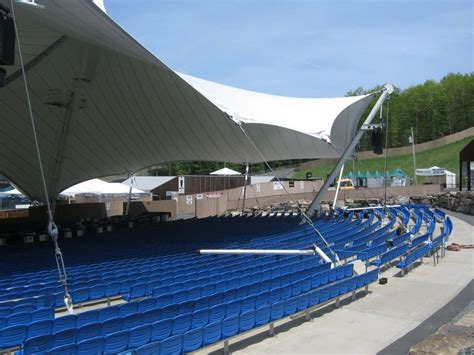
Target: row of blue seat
point(168, 330)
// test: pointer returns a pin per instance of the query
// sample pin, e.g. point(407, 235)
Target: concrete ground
point(375, 321)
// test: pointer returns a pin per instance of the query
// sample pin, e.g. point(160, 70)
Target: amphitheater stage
point(375, 321)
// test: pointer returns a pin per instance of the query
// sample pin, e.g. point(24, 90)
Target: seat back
point(90, 346)
point(139, 336)
point(116, 342)
point(37, 344)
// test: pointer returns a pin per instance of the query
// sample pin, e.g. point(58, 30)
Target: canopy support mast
point(366, 126)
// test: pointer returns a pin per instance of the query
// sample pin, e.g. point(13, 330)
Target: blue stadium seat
point(303, 302)
point(233, 308)
point(132, 320)
point(172, 345)
point(185, 307)
point(306, 284)
point(63, 337)
point(162, 329)
point(90, 346)
point(344, 287)
point(247, 320)
point(149, 349)
point(352, 284)
point(146, 305)
point(169, 311)
point(230, 326)
point(212, 333)
point(139, 336)
point(37, 345)
point(12, 336)
point(136, 291)
point(108, 313)
point(291, 305)
point(324, 278)
point(201, 303)
point(160, 291)
point(42, 314)
point(69, 349)
point(179, 296)
point(262, 299)
point(334, 291)
point(215, 299)
point(128, 308)
point(112, 325)
point(324, 294)
point(265, 286)
point(221, 286)
point(192, 340)
point(248, 303)
point(28, 307)
point(80, 295)
point(313, 298)
point(181, 324)
point(315, 281)
point(207, 290)
point(5, 311)
point(97, 292)
point(18, 319)
point(274, 296)
point(285, 292)
point(64, 322)
point(112, 289)
point(193, 293)
point(41, 327)
point(263, 315)
point(217, 313)
point(152, 315)
point(87, 318)
point(278, 310)
point(88, 331)
point(116, 342)
point(200, 318)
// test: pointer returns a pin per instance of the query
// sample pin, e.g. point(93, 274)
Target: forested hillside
point(434, 109)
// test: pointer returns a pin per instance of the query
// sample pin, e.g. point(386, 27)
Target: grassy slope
point(445, 157)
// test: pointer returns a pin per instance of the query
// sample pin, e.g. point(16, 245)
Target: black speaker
point(3, 74)
point(7, 40)
point(377, 141)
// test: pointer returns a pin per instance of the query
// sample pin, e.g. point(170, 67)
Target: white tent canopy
point(99, 187)
point(104, 105)
point(11, 192)
point(433, 171)
point(225, 171)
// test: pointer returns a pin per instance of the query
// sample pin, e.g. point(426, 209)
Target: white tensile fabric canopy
point(104, 105)
point(99, 187)
point(225, 171)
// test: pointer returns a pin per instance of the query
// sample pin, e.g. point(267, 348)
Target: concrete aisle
point(375, 321)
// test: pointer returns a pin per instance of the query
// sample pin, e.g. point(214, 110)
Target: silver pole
point(337, 188)
point(245, 186)
point(255, 252)
point(414, 156)
point(312, 209)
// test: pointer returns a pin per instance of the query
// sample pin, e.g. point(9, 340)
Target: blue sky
point(304, 48)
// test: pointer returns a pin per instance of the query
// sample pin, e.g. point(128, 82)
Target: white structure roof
point(260, 179)
point(147, 183)
point(99, 187)
point(104, 105)
point(225, 171)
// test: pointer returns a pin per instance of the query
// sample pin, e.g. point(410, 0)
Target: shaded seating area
point(174, 300)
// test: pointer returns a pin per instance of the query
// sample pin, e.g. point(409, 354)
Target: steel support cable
point(305, 216)
point(53, 230)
